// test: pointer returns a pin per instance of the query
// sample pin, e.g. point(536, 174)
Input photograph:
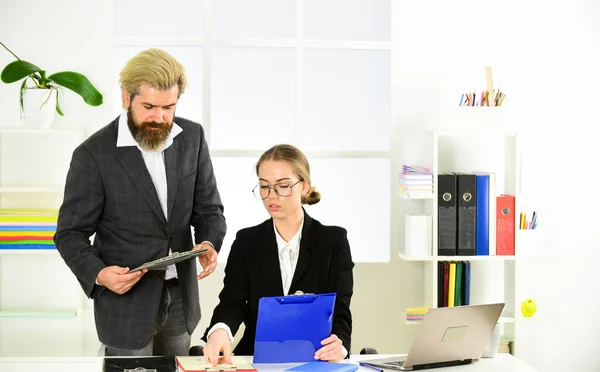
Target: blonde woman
point(289, 252)
point(139, 183)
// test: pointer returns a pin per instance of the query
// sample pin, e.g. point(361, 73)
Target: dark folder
point(447, 214)
point(446, 276)
point(130, 364)
point(466, 284)
point(467, 214)
point(290, 329)
point(440, 285)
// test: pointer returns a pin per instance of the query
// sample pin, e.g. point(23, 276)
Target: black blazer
point(109, 192)
point(324, 265)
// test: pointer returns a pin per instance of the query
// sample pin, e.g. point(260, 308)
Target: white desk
point(501, 363)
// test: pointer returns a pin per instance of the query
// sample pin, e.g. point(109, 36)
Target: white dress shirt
point(155, 162)
point(288, 256)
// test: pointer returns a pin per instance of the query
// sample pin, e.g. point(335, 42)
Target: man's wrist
point(97, 276)
point(209, 243)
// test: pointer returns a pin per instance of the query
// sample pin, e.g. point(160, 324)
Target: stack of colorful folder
point(27, 228)
point(416, 313)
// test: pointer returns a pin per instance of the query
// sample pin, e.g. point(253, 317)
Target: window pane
point(253, 97)
point(358, 20)
point(258, 19)
point(190, 102)
point(356, 196)
point(347, 100)
point(235, 179)
point(156, 18)
point(367, 217)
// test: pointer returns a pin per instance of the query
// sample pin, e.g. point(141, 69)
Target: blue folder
point(290, 329)
point(324, 367)
point(482, 224)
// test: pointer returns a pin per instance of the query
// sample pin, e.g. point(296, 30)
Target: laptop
point(447, 336)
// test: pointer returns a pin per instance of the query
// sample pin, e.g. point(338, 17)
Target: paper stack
point(27, 228)
point(416, 181)
point(416, 313)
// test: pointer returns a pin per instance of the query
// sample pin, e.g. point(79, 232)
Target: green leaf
point(78, 84)
point(58, 106)
point(21, 92)
point(17, 70)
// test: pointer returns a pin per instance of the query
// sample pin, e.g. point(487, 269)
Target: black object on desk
point(140, 364)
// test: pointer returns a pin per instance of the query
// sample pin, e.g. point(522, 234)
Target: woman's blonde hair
point(299, 163)
point(154, 67)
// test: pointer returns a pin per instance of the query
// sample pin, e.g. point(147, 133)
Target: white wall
point(544, 56)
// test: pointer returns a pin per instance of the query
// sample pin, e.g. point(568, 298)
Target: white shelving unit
point(407, 257)
point(33, 168)
point(479, 142)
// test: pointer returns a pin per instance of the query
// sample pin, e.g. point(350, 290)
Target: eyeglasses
point(282, 189)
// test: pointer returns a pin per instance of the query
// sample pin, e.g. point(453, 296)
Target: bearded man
point(139, 184)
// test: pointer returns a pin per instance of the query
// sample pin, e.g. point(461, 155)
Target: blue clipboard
point(289, 329)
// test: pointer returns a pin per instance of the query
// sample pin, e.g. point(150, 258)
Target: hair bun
point(311, 197)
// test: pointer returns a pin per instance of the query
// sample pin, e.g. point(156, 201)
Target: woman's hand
point(332, 350)
point(218, 341)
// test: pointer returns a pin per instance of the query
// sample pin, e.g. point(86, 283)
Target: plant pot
point(39, 108)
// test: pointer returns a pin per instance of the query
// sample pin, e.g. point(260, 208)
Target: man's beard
point(148, 139)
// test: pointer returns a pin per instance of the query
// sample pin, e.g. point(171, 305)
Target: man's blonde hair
point(154, 67)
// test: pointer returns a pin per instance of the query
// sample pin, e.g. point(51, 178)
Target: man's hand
point(218, 341)
point(208, 260)
point(332, 351)
point(118, 279)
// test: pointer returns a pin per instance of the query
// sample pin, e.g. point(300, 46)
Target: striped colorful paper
point(27, 228)
point(416, 313)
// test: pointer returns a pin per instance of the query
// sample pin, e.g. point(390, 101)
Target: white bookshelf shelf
point(31, 189)
point(34, 163)
point(12, 252)
point(24, 130)
point(38, 313)
point(406, 257)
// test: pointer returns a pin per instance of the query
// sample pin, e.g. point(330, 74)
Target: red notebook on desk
point(505, 225)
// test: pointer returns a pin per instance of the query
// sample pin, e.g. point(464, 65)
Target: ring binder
point(290, 328)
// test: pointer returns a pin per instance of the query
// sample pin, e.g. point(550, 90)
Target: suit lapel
point(173, 156)
point(307, 245)
point(270, 257)
point(132, 161)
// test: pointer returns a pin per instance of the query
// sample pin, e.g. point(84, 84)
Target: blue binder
point(289, 329)
point(482, 226)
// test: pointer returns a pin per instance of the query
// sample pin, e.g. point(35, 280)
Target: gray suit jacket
point(109, 192)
